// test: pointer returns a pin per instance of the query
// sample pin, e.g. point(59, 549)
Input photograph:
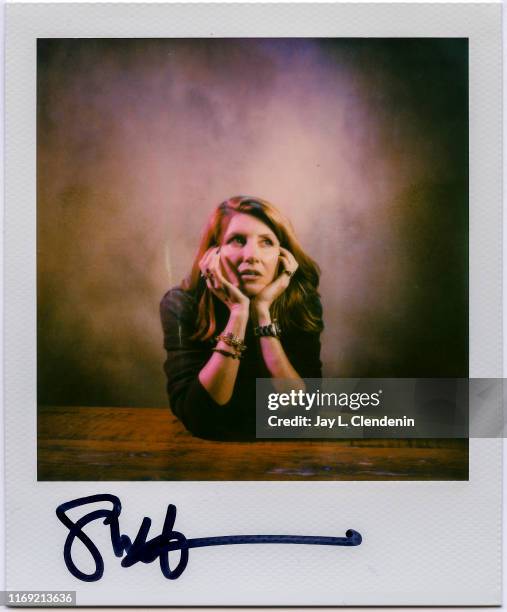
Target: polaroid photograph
point(253, 304)
point(363, 278)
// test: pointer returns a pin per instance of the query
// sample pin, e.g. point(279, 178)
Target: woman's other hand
point(262, 301)
point(211, 270)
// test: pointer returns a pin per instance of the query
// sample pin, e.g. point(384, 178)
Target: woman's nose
point(250, 251)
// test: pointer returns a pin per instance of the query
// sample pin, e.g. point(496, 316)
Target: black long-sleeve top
point(190, 401)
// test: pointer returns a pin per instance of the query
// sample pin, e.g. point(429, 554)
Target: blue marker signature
point(160, 546)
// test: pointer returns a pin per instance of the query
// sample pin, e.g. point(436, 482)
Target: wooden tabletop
point(83, 443)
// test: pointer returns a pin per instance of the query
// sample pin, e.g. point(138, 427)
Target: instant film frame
point(447, 533)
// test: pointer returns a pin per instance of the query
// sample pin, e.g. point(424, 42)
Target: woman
point(249, 309)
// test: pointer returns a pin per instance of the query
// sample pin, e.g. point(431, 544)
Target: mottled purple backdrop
point(362, 143)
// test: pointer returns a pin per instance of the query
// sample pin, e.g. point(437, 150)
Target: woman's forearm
point(272, 351)
point(219, 374)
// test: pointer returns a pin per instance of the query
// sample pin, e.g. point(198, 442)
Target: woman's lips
point(250, 275)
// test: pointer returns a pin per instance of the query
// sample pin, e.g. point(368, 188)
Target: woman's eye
point(267, 241)
point(236, 240)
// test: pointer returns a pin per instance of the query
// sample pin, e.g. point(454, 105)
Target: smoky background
point(362, 143)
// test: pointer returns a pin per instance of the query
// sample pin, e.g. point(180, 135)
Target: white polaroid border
point(424, 543)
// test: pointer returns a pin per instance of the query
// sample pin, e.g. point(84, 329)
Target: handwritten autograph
point(160, 546)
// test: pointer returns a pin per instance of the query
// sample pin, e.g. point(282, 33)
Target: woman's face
point(250, 253)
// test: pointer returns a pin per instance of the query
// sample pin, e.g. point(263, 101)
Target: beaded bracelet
point(233, 341)
point(227, 353)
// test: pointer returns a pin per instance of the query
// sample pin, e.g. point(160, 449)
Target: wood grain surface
point(101, 444)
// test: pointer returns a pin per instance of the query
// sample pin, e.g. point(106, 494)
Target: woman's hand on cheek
point(228, 270)
point(211, 269)
point(288, 266)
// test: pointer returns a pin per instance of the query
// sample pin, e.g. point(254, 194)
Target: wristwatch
point(273, 329)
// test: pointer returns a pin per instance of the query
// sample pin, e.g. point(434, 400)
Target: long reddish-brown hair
point(297, 307)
